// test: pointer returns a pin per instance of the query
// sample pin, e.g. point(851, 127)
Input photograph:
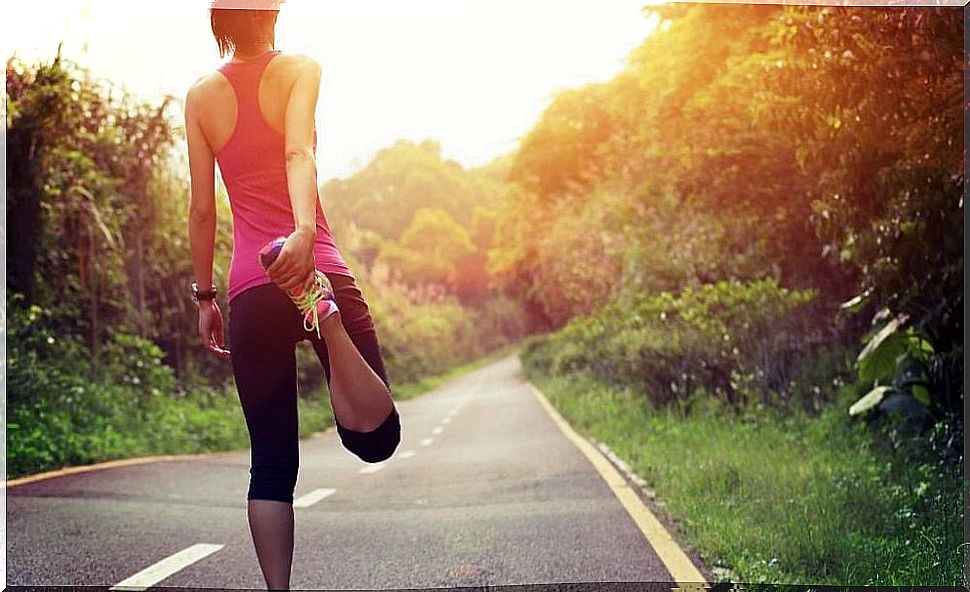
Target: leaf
point(869, 400)
point(921, 393)
point(854, 304)
point(881, 363)
point(881, 336)
point(920, 347)
point(878, 359)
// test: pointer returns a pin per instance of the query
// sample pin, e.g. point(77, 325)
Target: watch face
point(202, 294)
point(209, 294)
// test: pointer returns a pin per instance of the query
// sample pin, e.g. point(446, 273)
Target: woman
point(255, 116)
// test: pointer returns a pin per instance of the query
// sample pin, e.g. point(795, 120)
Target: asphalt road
point(484, 489)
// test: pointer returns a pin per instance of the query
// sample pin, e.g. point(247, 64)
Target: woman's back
point(218, 109)
point(242, 112)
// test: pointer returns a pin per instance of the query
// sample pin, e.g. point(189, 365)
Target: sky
point(474, 75)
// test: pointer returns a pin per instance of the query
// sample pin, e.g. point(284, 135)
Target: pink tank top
point(253, 167)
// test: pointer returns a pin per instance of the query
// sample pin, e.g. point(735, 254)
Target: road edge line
point(681, 568)
point(123, 462)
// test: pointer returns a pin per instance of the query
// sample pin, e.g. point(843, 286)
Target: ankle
point(331, 323)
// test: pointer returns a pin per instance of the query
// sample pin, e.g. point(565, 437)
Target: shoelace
point(307, 302)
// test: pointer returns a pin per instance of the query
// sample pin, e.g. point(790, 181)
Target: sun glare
point(472, 75)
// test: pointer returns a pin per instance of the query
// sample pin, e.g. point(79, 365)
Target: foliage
point(907, 377)
point(816, 145)
point(742, 342)
point(422, 262)
point(819, 148)
point(402, 179)
point(58, 414)
point(421, 338)
point(97, 217)
point(429, 249)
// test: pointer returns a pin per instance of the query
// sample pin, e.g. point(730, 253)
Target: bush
point(420, 338)
point(60, 412)
point(739, 341)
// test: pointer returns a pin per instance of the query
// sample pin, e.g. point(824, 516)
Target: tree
point(429, 249)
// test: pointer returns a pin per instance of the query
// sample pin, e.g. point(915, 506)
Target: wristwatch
point(198, 295)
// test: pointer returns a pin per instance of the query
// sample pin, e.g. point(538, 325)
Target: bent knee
point(376, 445)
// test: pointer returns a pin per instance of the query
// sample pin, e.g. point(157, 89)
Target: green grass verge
point(780, 498)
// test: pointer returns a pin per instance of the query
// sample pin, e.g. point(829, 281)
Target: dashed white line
point(313, 497)
point(453, 412)
point(372, 468)
point(446, 420)
point(406, 454)
point(427, 441)
point(437, 430)
point(157, 572)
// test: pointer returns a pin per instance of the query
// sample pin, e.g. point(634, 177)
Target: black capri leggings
point(264, 328)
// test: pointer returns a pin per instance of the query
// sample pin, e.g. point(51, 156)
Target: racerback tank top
point(253, 167)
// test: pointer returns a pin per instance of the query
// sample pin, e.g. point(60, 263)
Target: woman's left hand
point(295, 265)
point(210, 328)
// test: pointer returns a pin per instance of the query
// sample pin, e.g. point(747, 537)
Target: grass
point(57, 433)
point(780, 498)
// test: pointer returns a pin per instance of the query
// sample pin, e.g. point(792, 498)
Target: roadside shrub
point(422, 336)
point(58, 413)
point(739, 341)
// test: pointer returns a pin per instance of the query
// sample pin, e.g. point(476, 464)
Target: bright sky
point(472, 74)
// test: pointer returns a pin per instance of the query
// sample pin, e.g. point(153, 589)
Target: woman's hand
point(210, 328)
point(295, 265)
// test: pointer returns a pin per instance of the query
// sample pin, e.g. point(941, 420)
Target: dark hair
point(236, 28)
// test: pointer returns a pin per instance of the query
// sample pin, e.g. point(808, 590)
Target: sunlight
point(473, 75)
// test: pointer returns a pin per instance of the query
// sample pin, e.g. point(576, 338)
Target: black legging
point(264, 328)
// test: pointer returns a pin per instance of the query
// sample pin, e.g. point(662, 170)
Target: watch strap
point(199, 295)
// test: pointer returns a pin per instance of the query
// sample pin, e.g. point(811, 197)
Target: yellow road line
point(673, 557)
point(104, 465)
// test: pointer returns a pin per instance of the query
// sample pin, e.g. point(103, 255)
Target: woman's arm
point(301, 168)
point(294, 267)
point(202, 224)
point(202, 198)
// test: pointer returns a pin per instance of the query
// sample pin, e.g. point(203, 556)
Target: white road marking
point(307, 500)
point(406, 454)
point(446, 420)
point(427, 441)
point(437, 430)
point(453, 412)
point(373, 468)
point(157, 572)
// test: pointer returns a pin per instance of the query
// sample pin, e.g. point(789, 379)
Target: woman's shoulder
point(204, 87)
point(297, 59)
point(213, 86)
point(292, 64)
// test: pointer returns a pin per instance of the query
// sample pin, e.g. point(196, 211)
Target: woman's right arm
point(202, 223)
point(202, 195)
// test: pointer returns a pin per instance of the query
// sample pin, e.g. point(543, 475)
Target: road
point(485, 489)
